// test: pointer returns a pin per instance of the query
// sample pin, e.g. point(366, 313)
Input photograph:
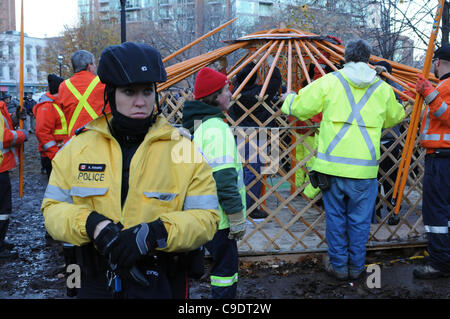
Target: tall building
point(201, 14)
point(7, 15)
point(34, 79)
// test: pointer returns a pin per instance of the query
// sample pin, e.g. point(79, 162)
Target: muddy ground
point(38, 272)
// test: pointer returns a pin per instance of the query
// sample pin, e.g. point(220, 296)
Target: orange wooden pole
point(272, 67)
point(21, 95)
point(313, 59)
point(190, 45)
point(403, 169)
point(324, 58)
point(289, 75)
point(302, 62)
point(264, 57)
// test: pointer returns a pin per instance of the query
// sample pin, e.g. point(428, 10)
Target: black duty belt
point(441, 153)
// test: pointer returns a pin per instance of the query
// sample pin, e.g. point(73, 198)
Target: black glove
point(138, 241)
point(21, 115)
point(107, 237)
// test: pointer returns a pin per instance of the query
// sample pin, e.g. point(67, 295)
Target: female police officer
point(116, 187)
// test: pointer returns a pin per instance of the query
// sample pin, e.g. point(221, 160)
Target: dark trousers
point(5, 204)
point(386, 165)
point(47, 165)
point(436, 210)
point(224, 272)
point(167, 279)
point(256, 163)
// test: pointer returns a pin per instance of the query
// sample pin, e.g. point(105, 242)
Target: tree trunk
point(445, 24)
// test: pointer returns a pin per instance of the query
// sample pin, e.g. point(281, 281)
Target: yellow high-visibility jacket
point(356, 106)
point(168, 179)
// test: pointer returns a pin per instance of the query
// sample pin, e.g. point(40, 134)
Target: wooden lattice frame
point(297, 223)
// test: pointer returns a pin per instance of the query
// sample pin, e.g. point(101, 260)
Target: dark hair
point(240, 77)
point(357, 51)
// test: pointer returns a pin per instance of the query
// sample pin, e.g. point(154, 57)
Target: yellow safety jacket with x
point(87, 176)
point(353, 117)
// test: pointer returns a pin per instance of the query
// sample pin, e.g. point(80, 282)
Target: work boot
point(5, 253)
point(429, 272)
point(341, 275)
point(394, 220)
point(355, 275)
point(258, 214)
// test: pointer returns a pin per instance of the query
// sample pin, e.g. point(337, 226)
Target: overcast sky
point(46, 18)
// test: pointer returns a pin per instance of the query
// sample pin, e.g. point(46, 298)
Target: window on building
point(11, 72)
point(28, 53)
point(1, 71)
point(29, 73)
point(38, 53)
point(11, 50)
point(265, 9)
point(246, 7)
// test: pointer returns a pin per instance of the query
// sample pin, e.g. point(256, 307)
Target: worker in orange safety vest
point(10, 143)
point(51, 123)
point(82, 96)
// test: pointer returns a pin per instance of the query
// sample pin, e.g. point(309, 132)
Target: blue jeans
point(348, 208)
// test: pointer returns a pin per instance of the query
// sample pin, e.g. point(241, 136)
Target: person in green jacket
point(203, 117)
point(356, 106)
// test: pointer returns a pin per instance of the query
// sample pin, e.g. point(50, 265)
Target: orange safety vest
point(51, 126)
point(81, 98)
point(435, 128)
point(82, 102)
point(11, 141)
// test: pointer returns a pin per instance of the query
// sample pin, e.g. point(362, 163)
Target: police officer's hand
point(102, 232)
point(237, 226)
point(138, 241)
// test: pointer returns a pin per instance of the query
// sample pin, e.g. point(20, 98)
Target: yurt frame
point(296, 223)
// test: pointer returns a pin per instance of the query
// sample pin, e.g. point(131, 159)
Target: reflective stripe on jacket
point(51, 126)
point(435, 128)
point(87, 176)
point(12, 139)
point(218, 146)
point(353, 116)
point(81, 99)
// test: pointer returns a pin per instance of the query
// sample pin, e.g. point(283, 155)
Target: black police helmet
point(130, 63)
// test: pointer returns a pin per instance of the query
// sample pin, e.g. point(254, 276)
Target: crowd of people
point(138, 222)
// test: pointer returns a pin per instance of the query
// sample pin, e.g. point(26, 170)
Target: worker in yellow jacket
point(356, 106)
point(126, 184)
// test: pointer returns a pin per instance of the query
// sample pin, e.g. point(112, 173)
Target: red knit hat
point(207, 82)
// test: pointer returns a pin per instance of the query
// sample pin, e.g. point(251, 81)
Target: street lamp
point(123, 31)
point(60, 59)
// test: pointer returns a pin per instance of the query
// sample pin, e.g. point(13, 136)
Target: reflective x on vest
point(82, 101)
point(62, 117)
point(354, 115)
